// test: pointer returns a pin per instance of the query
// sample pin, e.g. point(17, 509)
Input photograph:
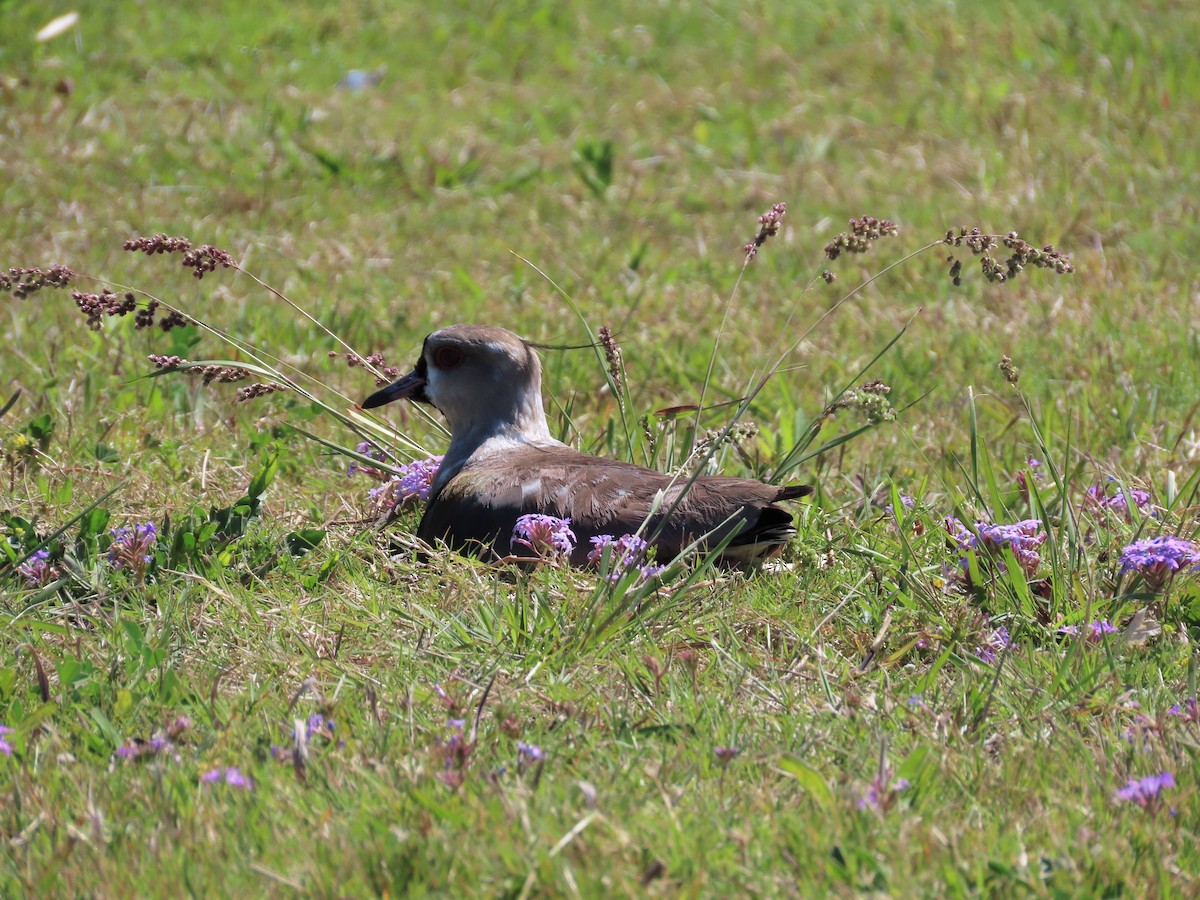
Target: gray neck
point(488, 436)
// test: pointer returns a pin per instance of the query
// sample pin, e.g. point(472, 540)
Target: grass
point(624, 150)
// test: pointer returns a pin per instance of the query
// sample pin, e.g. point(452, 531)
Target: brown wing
point(480, 504)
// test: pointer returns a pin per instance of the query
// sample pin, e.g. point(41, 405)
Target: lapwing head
point(481, 378)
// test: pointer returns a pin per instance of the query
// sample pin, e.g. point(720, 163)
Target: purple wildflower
point(1023, 538)
point(455, 752)
point(367, 448)
point(546, 536)
point(1094, 631)
point(529, 755)
point(726, 754)
point(1157, 559)
point(998, 640)
point(318, 725)
point(5, 746)
point(131, 548)
point(410, 487)
point(1096, 498)
point(38, 570)
point(231, 775)
point(1188, 710)
point(1145, 792)
point(882, 790)
point(625, 553)
point(1034, 466)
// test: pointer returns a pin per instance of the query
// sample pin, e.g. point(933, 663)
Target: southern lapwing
point(503, 463)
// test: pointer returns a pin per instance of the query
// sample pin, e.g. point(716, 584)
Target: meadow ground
point(265, 695)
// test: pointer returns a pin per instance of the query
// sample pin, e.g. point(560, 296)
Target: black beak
point(411, 386)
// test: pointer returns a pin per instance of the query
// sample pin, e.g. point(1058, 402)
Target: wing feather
point(481, 503)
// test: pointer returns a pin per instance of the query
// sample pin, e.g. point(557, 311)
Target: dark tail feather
point(792, 491)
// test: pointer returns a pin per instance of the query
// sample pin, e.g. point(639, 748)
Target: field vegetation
point(972, 673)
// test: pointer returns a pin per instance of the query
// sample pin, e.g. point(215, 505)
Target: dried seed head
point(23, 282)
point(258, 389)
point(385, 373)
point(1011, 372)
point(768, 226)
point(612, 354)
point(864, 231)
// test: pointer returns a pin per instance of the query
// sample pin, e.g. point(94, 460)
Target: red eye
point(447, 357)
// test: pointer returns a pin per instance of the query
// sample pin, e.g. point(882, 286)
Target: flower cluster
point(368, 449)
point(870, 399)
point(384, 372)
point(1023, 538)
point(160, 743)
point(1022, 254)
point(38, 570)
point(5, 746)
point(626, 553)
point(1035, 466)
point(1146, 792)
point(319, 725)
point(231, 776)
point(399, 491)
point(131, 548)
point(1096, 498)
point(864, 232)
point(768, 226)
point(1093, 631)
point(1188, 710)
point(711, 441)
point(200, 260)
point(529, 755)
point(24, 282)
point(546, 536)
point(996, 641)
point(883, 791)
point(454, 751)
point(1157, 559)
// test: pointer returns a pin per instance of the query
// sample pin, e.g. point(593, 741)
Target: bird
point(503, 463)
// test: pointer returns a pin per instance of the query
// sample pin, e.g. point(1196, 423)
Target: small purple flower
point(882, 790)
point(528, 755)
point(1096, 497)
point(1145, 792)
point(1023, 538)
point(998, 640)
point(366, 448)
point(546, 536)
point(625, 553)
point(1094, 631)
point(131, 548)
point(726, 754)
point(37, 570)
point(231, 775)
point(1034, 465)
point(411, 486)
point(5, 746)
point(1188, 710)
point(318, 724)
point(1157, 559)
